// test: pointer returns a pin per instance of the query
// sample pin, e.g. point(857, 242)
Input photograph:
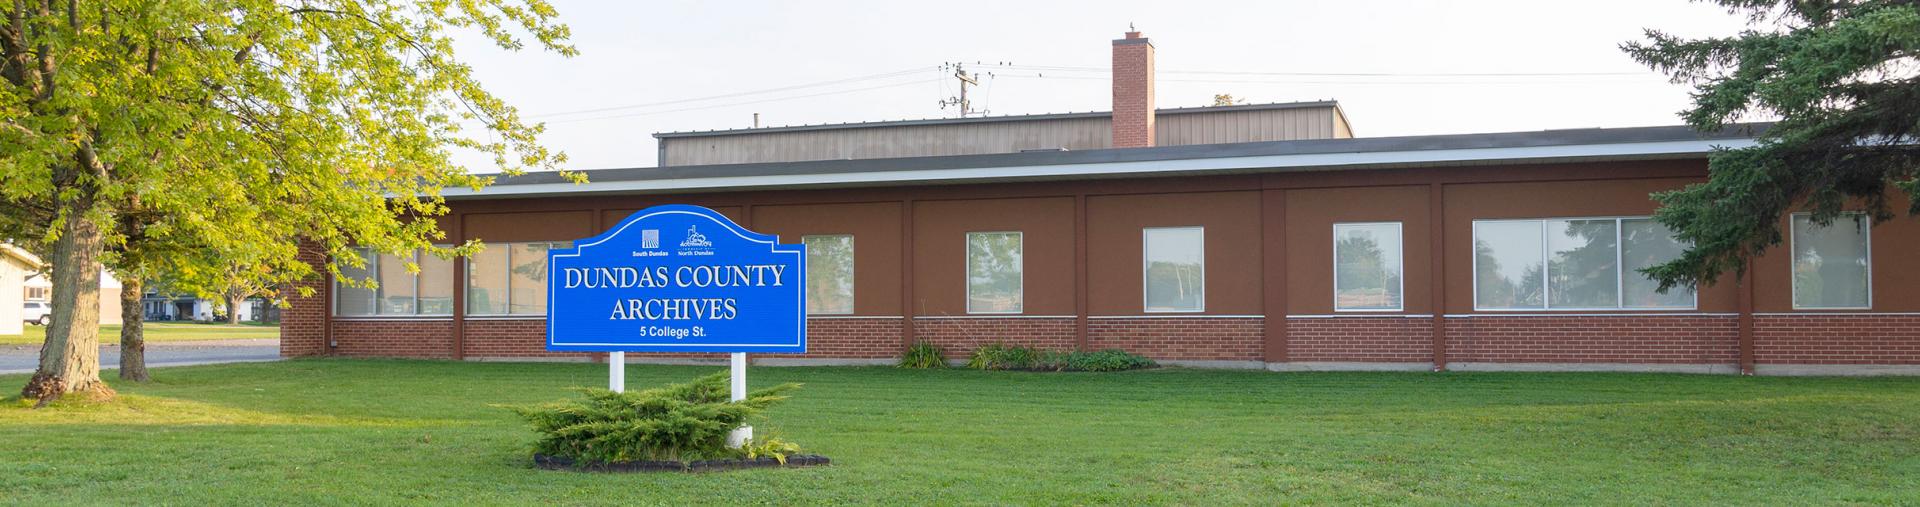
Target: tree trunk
point(233, 308)
point(70, 359)
point(133, 342)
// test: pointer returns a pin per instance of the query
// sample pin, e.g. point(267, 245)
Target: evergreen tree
point(1840, 76)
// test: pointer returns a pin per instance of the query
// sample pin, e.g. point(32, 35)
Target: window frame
point(853, 285)
point(1793, 258)
point(1546, 282)
point(1146, 260)
point(1401, 229)
point(419, 254)
point(966, 272)
point(372, 260)
point(373, 268)
point(466, 283)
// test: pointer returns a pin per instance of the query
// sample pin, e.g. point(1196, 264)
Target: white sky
point(652, 52)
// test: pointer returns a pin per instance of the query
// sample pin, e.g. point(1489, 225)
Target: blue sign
point(677, 279)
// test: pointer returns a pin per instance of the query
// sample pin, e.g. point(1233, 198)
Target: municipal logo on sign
point(650, 238)
point(695, 239)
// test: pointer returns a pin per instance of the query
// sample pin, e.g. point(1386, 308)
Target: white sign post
point(617, 372)
point(738, 362)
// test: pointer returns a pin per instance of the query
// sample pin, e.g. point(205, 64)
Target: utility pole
point(960, 73)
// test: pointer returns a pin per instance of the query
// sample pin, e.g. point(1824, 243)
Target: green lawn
point(383, 432)
point(160, 332)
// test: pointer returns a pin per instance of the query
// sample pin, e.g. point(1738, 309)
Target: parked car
point(36, 312)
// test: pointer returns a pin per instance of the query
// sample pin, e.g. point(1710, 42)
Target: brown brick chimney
point(1132, 92)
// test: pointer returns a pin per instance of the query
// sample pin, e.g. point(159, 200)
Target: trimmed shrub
point(1019, 358)
point(923, 355)
point(1106, 360)
point(676, 422)
point(997, 356)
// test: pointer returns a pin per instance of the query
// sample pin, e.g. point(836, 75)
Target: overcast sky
point(1409, 57)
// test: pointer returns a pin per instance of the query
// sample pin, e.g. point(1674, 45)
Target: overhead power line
point(730, 104)
point(1325, 81)
point(1042, 71)
point(883, 75)
point(1066, 68)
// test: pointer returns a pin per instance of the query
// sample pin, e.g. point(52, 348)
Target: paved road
point(23, 358)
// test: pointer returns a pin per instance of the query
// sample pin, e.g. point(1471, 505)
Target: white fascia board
point(1290, 162)
point(25, 257)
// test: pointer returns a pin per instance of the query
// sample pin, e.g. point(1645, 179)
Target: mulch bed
point(711, 465)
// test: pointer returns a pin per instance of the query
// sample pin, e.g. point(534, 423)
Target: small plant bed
point(675, 428)
point(923, 355)
point(709, 465)
point(996, 356)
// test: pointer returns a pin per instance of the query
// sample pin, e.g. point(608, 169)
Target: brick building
point(1260, 236)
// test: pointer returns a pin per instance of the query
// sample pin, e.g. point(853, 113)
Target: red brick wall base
point(419, 339)
point(1630, 339)
point(851, 338)
point(1381, 339)
point(958, 336)
point(503, 338)
point(1484, 340)
point(1180, 338)
point(303, 322)
point(1836, 339)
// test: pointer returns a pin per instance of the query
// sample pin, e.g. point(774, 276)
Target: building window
point(829, 274)
point(995, 275)
point(487, 281)
point(36, 293)
point(509, 279)
point(1173, 268)
point(436, 285)
point(1367, 267)
point(397, 293)
point(1572, 264)
point(1645, 243)
point(398, 289)
point(1831, 263)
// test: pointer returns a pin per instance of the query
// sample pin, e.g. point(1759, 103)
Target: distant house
point(38, 287)
point(161, 307)
point(16, 265)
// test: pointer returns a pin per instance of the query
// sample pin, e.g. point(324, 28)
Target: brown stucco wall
point(611, 217)
point(876, 244)
point(541, 226)
point(940, 241)
point(1896, 283)
point(1311, 214)
point(1232, 249)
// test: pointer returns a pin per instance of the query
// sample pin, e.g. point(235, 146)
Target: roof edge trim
point(1293, 162)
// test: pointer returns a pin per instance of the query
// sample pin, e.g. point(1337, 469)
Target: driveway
point(23, 358)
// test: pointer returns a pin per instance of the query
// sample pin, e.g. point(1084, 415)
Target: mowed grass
point(160, 332)
point(335, 431)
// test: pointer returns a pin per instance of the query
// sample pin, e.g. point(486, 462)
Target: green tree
point(252, 126)
point(1840, 76)
point(139, 252)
